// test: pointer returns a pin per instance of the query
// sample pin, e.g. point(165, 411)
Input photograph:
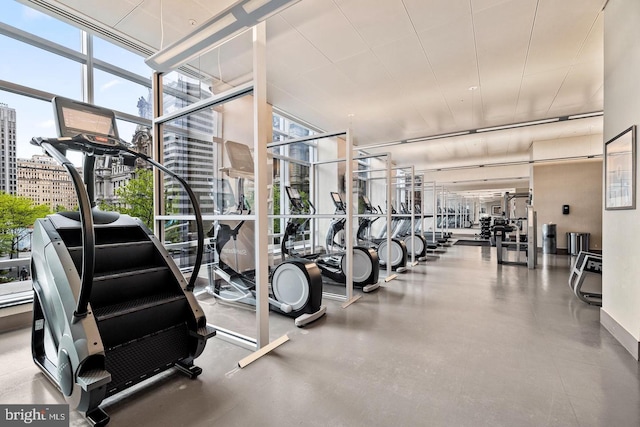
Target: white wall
point(577, 184)
point(621, 229)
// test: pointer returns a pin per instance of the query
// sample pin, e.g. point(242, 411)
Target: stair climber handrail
point(196, 210)
point(86, 225)
point(81, 143)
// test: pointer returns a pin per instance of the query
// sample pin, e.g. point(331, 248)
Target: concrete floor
point(457, 342)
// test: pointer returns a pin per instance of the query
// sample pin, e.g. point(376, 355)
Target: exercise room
point(319, 212)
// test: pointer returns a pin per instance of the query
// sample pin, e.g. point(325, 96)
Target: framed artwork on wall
point(620, 171)
point(496, 210)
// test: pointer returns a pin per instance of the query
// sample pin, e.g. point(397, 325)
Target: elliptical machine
point(110, 307)
point(416, 244)
point(398, 258)
point(366, 266)
point(295, 285)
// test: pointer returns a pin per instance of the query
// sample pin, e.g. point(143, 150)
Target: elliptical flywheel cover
point(362, 267)
point(290, 285)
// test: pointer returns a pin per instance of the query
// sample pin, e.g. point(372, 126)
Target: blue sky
point(33, 67)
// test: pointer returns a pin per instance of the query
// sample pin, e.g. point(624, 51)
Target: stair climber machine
point(110, 307)
point(332, 263)
point(295, 285)
point(416, 243)
point(398, 258)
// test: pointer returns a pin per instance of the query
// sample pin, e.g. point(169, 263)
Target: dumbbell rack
point(485, 228)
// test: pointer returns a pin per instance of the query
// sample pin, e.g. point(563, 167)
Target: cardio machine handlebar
point(94, 146)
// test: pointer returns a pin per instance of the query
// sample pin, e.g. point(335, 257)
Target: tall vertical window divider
point(261, 344)
point(387, 177)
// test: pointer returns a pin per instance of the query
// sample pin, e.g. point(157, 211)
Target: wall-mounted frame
point(620, 171)
point(496, 210)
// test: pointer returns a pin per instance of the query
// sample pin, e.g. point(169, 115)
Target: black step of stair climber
point(139, 306)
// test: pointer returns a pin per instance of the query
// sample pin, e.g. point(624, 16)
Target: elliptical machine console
point(110, 307)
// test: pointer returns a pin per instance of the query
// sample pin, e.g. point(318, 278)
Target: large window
point(121, 94)
point(119, 57)
point(42, 59)
point(296, 157)
point(39, 69)
point(39, 24)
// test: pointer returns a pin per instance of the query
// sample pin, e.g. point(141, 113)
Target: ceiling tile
point(285, 45)
point(559, 32)
point(110, 16)
point(385, 22)
point(436, 13)
point(324, 25)
point(538, 92)
point(480, 5)
point(365, 71)
point(582, 82)
point(405, 59)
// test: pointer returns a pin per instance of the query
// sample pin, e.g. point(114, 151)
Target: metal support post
point(349, 213)
point(261, 134)
point(389, 180)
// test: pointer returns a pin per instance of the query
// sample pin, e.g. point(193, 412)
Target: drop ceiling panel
point(440, 120)
point(377, 25)
point(436, 13)
point(502, 36)
point(581, 84)
point(476, 147)
point(326, 27)
point(450, 50)
point(593, 48)
point(560, 29)
point(405, 60)
point(150, 32)
point(284, 45)
point(332, 79)
point(480, 5)
point(176, 14)
point(110, 16)
point(214, 7)
point(538, 92)
point(499, 143)
point(288, 102)
point(365, 71)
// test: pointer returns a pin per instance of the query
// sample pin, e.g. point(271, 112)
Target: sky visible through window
point(36, 68)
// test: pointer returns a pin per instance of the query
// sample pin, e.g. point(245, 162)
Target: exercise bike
point(295, 285)
point(110, 306)
point(332, 264)
point(398, 260)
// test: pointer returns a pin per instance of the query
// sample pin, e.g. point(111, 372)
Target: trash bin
point(583, 241)
point(577, 242)
point(549, 239)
